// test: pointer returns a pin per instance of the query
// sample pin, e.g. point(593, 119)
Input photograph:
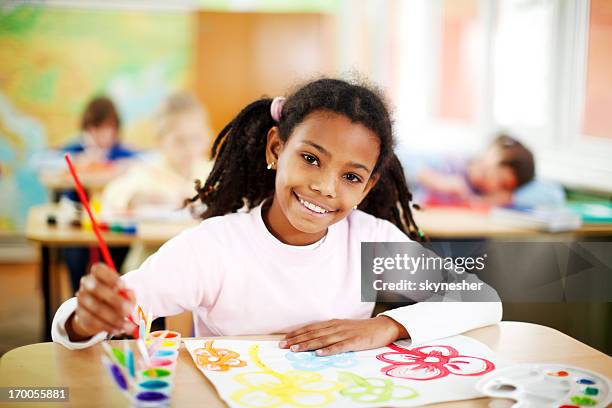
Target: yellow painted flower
point(270, 389)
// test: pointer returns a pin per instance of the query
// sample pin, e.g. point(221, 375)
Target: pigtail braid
point(391, 199)
point(239, 175)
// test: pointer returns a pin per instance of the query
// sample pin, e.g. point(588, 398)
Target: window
point(440, 102)
point(539, 69)
point(458, 73)
point(597, 118)
point(521, 63)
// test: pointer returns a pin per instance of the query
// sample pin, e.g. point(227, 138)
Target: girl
point(289, 262)
point(183, 136)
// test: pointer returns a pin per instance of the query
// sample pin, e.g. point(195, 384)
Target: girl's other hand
point(100, 306)
point(338, 336)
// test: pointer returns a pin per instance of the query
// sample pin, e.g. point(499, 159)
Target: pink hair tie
point(277, 107)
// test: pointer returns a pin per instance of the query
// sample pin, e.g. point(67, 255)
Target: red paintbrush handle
point(83, 197)
point(103, 247)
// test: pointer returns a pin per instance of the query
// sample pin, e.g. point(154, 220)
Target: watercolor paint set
point(548, 385)
point(145, 376)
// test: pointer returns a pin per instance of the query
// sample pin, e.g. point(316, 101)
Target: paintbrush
point(142, 348)
point(149, 322)
point(101, 242)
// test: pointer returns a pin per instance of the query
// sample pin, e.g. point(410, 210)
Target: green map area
point(53, 60)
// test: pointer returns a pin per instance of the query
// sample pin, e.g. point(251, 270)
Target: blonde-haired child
point(183, 136)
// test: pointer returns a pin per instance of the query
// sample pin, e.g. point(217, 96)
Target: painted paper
point(264, 376)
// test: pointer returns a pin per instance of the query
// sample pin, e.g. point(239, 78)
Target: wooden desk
point(153, 233)
point(459, 223)
point(50, 238)
point(51, 365)
point(93, 177)
point(61, 180)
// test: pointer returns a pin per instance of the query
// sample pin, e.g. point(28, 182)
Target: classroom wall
point(262, 54)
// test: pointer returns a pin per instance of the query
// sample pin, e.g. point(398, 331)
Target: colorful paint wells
point(154, 384)
point(551, 385)
point(151, 382)
point(171, 340)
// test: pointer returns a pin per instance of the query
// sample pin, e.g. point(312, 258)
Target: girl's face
point(322, 171)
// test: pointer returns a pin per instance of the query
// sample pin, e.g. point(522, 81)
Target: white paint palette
point(547, 385)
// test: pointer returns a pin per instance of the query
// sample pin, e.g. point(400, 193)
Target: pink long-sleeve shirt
point(237, 279)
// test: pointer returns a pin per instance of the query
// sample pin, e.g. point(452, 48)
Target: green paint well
point(156, 373)
point(119, 356)
point(583, 401)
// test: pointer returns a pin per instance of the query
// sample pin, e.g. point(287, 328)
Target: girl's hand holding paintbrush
point(104, 304)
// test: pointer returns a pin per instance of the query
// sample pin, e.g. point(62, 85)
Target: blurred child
point(100, 143)
point(490, 178)
point(183, 136)
point(95, 151)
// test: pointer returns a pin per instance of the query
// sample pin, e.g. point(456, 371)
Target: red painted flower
point(431, 362)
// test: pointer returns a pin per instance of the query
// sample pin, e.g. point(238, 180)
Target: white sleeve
point(426, 321)
point(440, 316)
point(58, 328)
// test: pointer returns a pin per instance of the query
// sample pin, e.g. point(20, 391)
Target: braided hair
point(240, 177)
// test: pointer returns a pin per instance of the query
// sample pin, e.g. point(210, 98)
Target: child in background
point(98, 152)
point(291, 263)
point(490, 178)
point(160, 186)
point(183, 135)
point(100, 142)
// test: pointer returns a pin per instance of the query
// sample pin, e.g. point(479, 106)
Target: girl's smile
point(313, 207)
